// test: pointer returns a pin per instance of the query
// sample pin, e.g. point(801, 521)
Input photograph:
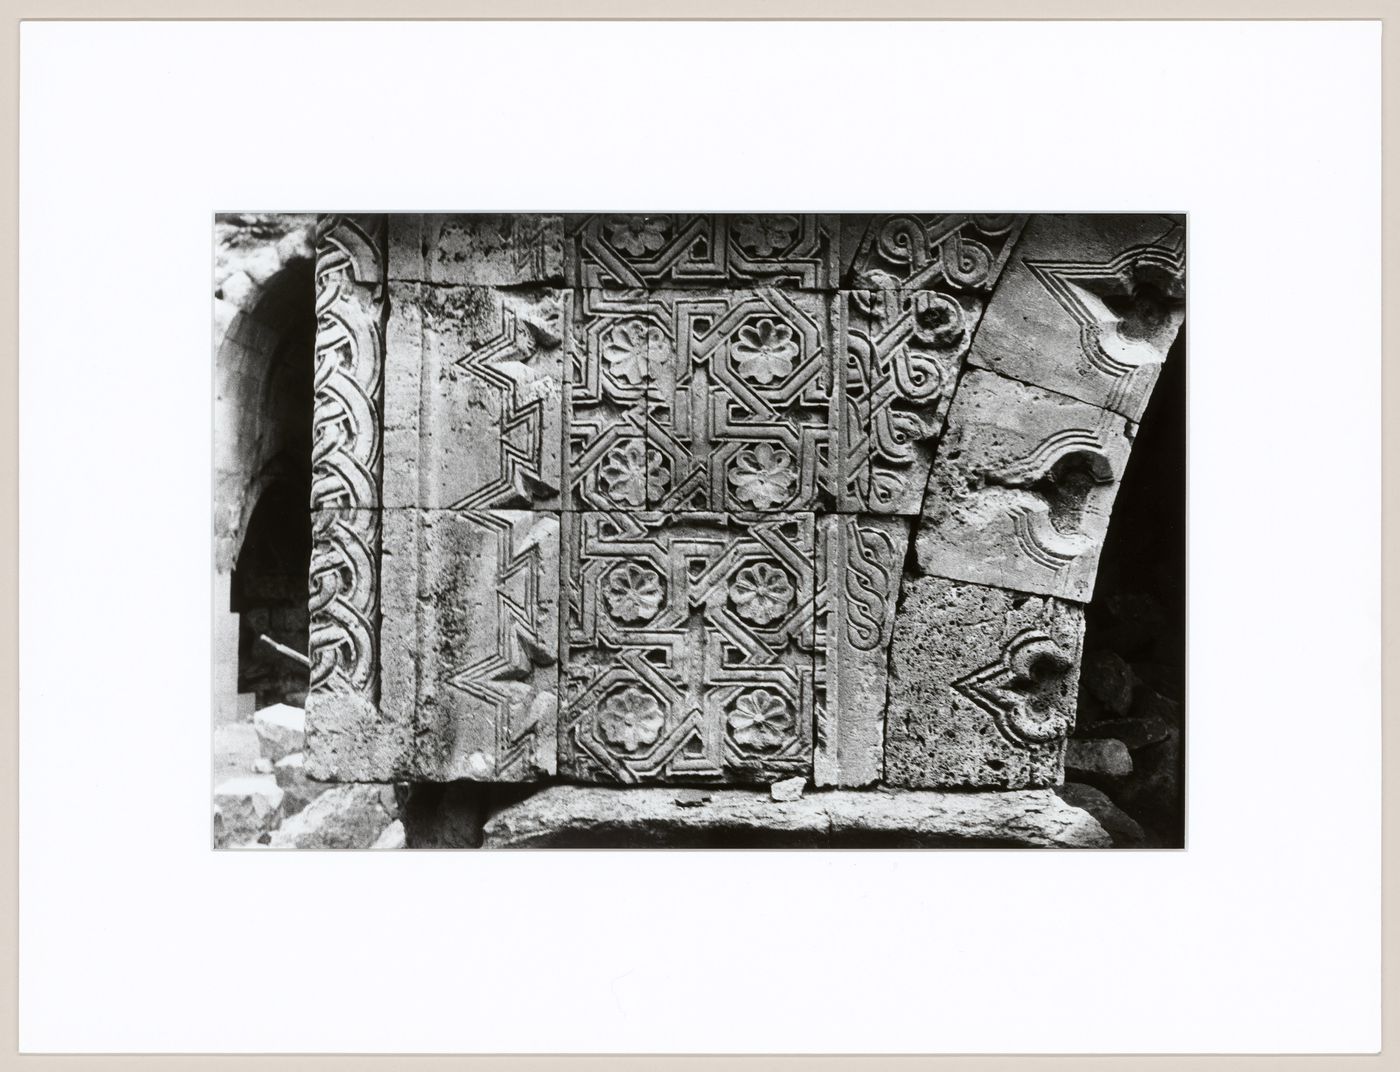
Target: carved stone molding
point(637, 251)
point(346, 468)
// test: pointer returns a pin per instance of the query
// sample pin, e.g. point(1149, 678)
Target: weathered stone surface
point(903, 350)
point(490, 250)
point(788, 789)
point(1089, 307)
point(1122, 827)
point(860, 560)
point(346, 468)
point(392, 837)
point(741, 403)
point(701, 400)
point(349, 380)
point(348, 735)
point(597, 817)
point(281, 730)
point(982, 686)
point(689, 647)
point(298, 790)
point(474, 396)
point(626, 251)
point(245, 807)
point(950, 252)
point(470, 648)
point(343, 817)
point(608, 463)
point(1098, 757)
point(1021, 489)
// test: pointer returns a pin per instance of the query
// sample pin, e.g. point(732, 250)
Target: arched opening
point(269, 593)
point(1133, 685)
point(268, 589)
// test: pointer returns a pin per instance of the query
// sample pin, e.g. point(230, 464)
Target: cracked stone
point(343, 817)
point(244, 808)
point(281, 730)
point(788, 789)
point(606, 817)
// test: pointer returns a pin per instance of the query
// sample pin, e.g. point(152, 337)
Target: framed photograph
point(773, 472)
point(700, 530)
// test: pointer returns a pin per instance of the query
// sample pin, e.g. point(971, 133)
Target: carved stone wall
point(719, 499)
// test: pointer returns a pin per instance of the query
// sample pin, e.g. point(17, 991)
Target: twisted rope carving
point(345, 465)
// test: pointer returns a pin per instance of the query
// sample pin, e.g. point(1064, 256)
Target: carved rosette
point(689, 647)
point(346, 457)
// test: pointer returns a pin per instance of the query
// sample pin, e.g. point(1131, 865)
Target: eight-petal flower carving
point(634, 592)
point(625, 350)
point(765, 351)
point(760, 720)
point(765, 235)
point(638, 235)
point(631, 719)
point(629, 475)
point(761, 593)
point(763, 475)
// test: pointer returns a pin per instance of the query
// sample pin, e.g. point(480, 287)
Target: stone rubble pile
point(263, 798)
point(1127, 741)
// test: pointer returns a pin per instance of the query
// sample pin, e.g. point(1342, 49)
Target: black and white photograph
point(640, 530)
point(924, 472)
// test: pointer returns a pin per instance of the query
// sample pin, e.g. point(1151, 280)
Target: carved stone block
point(474, 402)
point(347, 735)
point(1089, 306)
point(904, 351)
point(740, 400)
point(1021, 489)
point(946, 252)
point(608, 464)
point(605, 817)
point(348, 387)
point(689, 647)
point(477, 250)
point(470, 643)
point(860, 560)
point(983, 687)
point(625, 251)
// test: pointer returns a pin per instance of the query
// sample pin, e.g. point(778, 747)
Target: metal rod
point(290, 653)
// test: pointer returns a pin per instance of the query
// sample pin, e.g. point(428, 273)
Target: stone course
point(569, 816)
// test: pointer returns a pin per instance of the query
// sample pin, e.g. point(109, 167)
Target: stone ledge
point(616, 818)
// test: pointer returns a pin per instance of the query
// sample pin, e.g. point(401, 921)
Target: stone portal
point(629, 499)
